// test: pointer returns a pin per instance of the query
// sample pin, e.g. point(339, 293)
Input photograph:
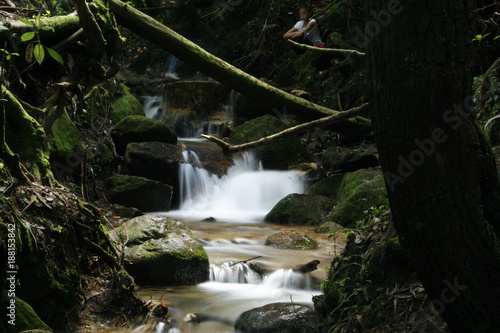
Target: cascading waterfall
point(245, 194)
point(152, 106)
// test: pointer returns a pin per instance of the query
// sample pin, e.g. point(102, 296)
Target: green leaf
point(496, 37)
point(37, 20)
point(48, 28)
point(28, 36)
point(56, 56)
point(25, 21)
point(39, 53)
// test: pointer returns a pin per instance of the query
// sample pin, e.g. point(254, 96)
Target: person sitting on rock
point(306, 30)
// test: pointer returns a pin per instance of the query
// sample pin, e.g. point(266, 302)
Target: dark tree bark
point(441, 178)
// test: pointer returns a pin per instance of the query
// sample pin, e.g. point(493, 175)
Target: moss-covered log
point(220, 70)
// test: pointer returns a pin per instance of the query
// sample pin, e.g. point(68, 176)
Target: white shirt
point(312, 35)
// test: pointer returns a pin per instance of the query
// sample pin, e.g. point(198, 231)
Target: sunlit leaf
point(56, 56)
point(48, 28)
point(27, 36)
point(25, 21)
point(37, 20)
point(39, 53)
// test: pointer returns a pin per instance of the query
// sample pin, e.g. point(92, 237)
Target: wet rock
point(125, 106)
point(203, 98)
point(338, 159)
point(154, 160)
point(277, 317)
point(144, 194)
point(329, 227)
point(306, 268)
point(140, 129)
point(291, 240)
point(359, 191)
point(328, 187)
point(276, 155)
point(125, 212)
point(161, 251)
point(300, 209)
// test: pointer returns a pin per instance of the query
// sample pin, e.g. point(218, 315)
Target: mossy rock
point(277, 317)
point(65, 138)
point(154, 160)
point(278, 155)
point(291, 240)
point(344, 160)
point(300, 209)
point(162, 251)
point(328, 187)
point(329, 227)
point(140, 129)
point(126, 105)
point(359, 191)
point(144, 194)
point(26, 319)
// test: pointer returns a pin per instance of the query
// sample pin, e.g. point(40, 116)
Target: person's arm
point(290, 33)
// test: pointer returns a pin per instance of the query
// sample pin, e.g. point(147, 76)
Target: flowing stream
point(236, 204)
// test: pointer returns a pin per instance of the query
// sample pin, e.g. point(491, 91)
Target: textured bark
point(220, 70)
point(442, 183)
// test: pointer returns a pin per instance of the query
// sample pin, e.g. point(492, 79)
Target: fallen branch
point(325, 50)
point(229, 148)
point(244, 261)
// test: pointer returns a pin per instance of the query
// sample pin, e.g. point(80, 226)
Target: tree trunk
point(223, 72)
point(441, 179)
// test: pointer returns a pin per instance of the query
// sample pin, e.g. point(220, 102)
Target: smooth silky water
point(236, 204)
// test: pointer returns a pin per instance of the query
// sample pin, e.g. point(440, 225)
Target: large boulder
point(277, 317)
point(154, 160)
point(300, 209)
point(125, 105)
point(328, 187)
point(359, 191)
point(140, 129)
point(161, 251)
point(291, 240)
point(347, 160)
point(144, 194)
point(278, 155)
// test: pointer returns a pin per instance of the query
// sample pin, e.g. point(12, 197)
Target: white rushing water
point(245, 194)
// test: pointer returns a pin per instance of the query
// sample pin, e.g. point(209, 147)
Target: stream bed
point(235, 204)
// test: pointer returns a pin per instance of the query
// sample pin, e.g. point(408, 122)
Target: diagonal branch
point(324, 50)
point(229, 148)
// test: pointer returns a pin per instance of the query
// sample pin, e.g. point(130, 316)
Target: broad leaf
point(56, 56)
point(27, 36)
point(39, 53)
point(25, 21)
point(46, 27)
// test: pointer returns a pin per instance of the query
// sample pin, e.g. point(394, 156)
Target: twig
point(244, 261)
point(325, 50)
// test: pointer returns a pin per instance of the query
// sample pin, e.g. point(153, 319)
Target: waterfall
point(152, 106)
point(287, 278)
point(238, 273)
point(245, 194)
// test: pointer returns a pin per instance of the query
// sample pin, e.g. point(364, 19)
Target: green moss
point(25, 319)
point(300, 209)
point(278, 155)
point(125, 106)
point(359, 191)
point(65, 137)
